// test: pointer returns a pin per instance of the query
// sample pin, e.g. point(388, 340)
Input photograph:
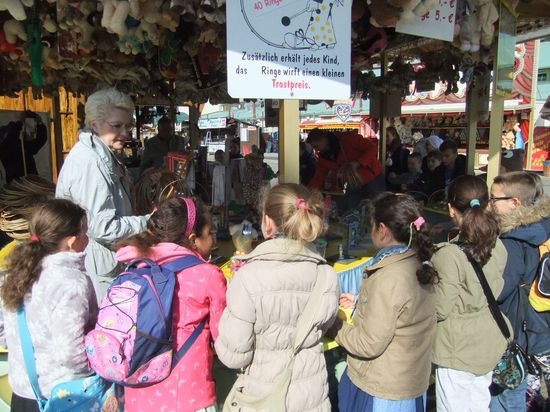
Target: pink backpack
point(131, 343)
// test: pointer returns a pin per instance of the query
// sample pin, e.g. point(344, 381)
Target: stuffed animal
point(13, 30)
point(242, 235)
point(15, 8)
point(129, 43)
point(151, 11)
point(6, 47)
point(148, 32)
point(383, 14)
point(114, 16)
point(486, 18)
point(477, 27)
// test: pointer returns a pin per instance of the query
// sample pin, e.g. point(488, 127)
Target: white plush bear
point(15, 8)
point(14, 29)
point(114, 16)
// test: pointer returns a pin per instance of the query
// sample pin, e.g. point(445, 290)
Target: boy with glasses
point(524, 216)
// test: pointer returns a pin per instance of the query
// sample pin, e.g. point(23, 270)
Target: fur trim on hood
point(525, 215)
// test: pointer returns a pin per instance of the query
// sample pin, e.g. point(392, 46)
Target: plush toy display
point(15, 8)
point(477, 28)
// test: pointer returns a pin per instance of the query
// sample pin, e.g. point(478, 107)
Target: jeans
point(511, 400)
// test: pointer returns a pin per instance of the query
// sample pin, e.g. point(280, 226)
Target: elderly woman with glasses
point(93, 177)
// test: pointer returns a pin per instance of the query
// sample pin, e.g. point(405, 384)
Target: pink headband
point(191, 215)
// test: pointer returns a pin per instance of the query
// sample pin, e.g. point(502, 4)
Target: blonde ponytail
point(297, 212)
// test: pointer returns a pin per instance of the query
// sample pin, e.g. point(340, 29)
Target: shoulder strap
point(182, 263)
point(188, 343)
point(28, 353)
point(178, 265)
point(305, 323)
point(493, 305)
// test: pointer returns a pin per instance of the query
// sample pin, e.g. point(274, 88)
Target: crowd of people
point(420, 305)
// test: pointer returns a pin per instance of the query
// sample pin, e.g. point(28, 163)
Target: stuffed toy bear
point(15, 8)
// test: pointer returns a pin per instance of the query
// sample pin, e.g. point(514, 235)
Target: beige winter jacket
point(265, 299)
point(389, 344)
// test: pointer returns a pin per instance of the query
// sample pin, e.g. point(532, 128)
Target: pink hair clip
point(418, 222)
point(301, 204)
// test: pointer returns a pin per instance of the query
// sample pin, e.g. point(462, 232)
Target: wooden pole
point(58, 134)
point(289, 136)
point(383, 119)
point(533, 112)
point(472, 105)
point(194, 133)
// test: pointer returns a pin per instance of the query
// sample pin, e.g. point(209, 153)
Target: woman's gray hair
point(101, 102)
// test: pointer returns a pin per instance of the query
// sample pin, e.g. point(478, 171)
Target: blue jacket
point(522, 232)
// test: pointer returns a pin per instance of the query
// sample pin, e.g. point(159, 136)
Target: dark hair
point(435, 153)
point(219, 153)
point(154, 186)
point(164, 120)
point(398, 212)
point(315, 135)
point(449, 144)
point(479, 228)
point(416, 155)
point(54, 221)
point(168, 224)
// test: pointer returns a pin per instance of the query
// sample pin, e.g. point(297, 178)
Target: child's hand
point(347, 300)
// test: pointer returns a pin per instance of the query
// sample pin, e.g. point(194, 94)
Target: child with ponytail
point(390, 341)
point(46, 275)
point(266, 300)
point(180, 227)
point(468, 341)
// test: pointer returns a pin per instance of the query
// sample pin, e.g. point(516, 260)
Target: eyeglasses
point(495, 199)
point(118, 126)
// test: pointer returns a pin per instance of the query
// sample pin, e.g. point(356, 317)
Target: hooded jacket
point(467, 337)
point(93, 178)
point(389, 343)
point(522, 231)
point(200, 291)
point(265, 299)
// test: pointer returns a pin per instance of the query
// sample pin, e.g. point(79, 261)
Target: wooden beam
point(289, 132)
point(473, 102)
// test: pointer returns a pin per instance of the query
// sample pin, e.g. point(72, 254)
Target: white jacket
point(60, 309)
point(91, 178)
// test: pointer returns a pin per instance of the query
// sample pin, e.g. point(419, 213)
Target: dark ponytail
point(402, 215)
point(54, 221)
point(168, 224)
point(479, 228)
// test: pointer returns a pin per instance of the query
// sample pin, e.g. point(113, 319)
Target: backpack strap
point(185, 262)
point(178, 265)
point(493, 305)
point(28, 354)
point(188, 343)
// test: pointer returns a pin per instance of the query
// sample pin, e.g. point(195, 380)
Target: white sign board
point(289, 49)
point(438, 23)
point(218, 123)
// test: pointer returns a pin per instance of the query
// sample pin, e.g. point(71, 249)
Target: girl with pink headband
point(177, 228)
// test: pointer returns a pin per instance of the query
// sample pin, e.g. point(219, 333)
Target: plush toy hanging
point(34, 48)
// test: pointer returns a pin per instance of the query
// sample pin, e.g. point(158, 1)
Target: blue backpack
point(131, 343)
